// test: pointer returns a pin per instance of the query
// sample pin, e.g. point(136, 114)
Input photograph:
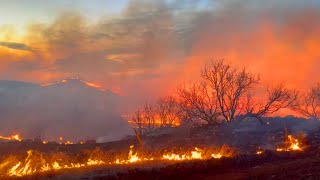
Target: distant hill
point(72, 108)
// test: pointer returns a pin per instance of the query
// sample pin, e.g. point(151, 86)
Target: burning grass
point(15, 137)
point(291, 144)
point(36, 162)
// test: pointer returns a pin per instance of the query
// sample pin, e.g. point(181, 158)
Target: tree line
point(223, 95)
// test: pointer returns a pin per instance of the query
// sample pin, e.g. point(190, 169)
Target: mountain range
point(71, 108)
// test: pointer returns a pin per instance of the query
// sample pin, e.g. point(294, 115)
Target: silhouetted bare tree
point(278, 97)
point(224, 94)
point(168, 110)
point(199, 103)
point(230, 86)
point(309, 104)
point(137, 119)
point(149, 117)
point(144, 119)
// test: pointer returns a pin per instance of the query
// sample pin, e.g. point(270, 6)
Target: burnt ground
point(245, 137)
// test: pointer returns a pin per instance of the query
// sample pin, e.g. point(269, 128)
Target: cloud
point(17, 46)
point(140, 39)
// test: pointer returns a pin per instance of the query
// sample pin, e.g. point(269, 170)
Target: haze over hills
point(72, 108)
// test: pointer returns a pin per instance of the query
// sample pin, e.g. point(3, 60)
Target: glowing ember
point(259, 152)
point(68, 142)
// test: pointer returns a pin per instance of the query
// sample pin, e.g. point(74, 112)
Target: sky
point(145, 48)
point(20, 13)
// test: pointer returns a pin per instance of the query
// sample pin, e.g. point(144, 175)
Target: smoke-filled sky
point(148, 47)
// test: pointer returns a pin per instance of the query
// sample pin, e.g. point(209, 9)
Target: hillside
point(72, 108)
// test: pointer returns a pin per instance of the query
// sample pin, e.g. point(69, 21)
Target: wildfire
point(225, 151)
point(197, 154)
point(132, 158)
point(216, 156)
point(259, 152)
point(47, 84)
point(90, 84)
point(68, 142)
point(174, 157)
point(293, 144)
point(36, 162)
point(15, 137)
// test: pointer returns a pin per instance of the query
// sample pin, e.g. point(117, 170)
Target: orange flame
point(197, 154)
point(294, 144)
point(15, 137)
point(36, 163)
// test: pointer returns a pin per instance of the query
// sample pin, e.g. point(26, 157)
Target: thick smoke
point(153, 40)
